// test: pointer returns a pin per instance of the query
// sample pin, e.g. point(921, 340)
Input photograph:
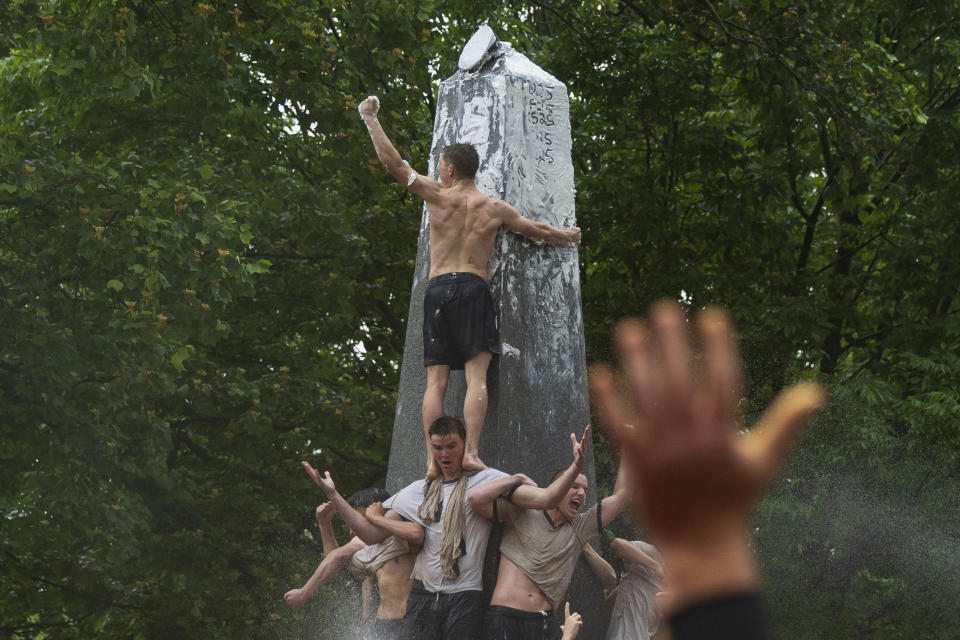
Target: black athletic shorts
point(506, 623)
point(458, 320)
point(382, 629)
point(442, 616)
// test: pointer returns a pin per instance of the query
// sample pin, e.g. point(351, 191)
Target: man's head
point(576, 495)
point(364, 498)
point(447, 437)
point(462, 158)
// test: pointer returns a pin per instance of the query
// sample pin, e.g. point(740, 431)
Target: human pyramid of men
point(695, 480)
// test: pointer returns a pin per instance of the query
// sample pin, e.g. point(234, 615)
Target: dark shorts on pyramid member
point(458, 320)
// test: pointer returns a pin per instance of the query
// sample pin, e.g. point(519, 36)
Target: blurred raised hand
point(675, 416)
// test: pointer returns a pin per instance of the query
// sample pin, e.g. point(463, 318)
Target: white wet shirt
point(476, 532)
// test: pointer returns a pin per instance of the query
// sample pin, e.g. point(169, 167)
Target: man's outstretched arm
point(528, 495)
point(615, 503)
point(325, 513)
point(626, 550)
point(392, 522)
point(390, 157)
point(333, 564)
point(512, 219)
point(362, 528)
point(482, 498)
point(600, 567)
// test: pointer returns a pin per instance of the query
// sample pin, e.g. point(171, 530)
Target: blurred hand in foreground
point(675, 418)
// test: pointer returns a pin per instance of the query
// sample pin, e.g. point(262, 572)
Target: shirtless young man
point(538, 554)
point(390, 562)
point(459, 323)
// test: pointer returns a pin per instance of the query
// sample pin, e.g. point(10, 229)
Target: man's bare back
point(464, 222)
point(463, 225)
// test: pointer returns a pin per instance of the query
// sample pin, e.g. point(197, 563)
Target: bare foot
point(433, 470)
point(472, 462)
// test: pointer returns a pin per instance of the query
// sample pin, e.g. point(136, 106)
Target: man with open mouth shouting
point(538, 553)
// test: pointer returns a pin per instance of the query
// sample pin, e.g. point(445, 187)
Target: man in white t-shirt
point(636, 613)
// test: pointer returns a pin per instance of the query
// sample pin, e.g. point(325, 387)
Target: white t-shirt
point(476, 532)
point(635, 615)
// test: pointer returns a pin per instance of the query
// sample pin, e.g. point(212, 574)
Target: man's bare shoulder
point(495, 207)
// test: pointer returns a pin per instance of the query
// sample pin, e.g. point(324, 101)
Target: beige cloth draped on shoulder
point(451, 547)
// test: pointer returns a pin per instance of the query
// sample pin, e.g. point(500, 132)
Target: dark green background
point(205, 275)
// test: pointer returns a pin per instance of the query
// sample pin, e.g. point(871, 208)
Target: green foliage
point(173, 175)
point(205, 275)
point(860, 525)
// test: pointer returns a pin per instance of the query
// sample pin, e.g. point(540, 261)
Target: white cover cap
point(476, 48)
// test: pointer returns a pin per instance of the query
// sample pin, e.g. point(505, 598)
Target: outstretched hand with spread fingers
point(579, 447)
point(675, 418)
point(325, 482)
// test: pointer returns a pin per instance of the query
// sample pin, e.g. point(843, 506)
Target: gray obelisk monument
point(518, 118)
